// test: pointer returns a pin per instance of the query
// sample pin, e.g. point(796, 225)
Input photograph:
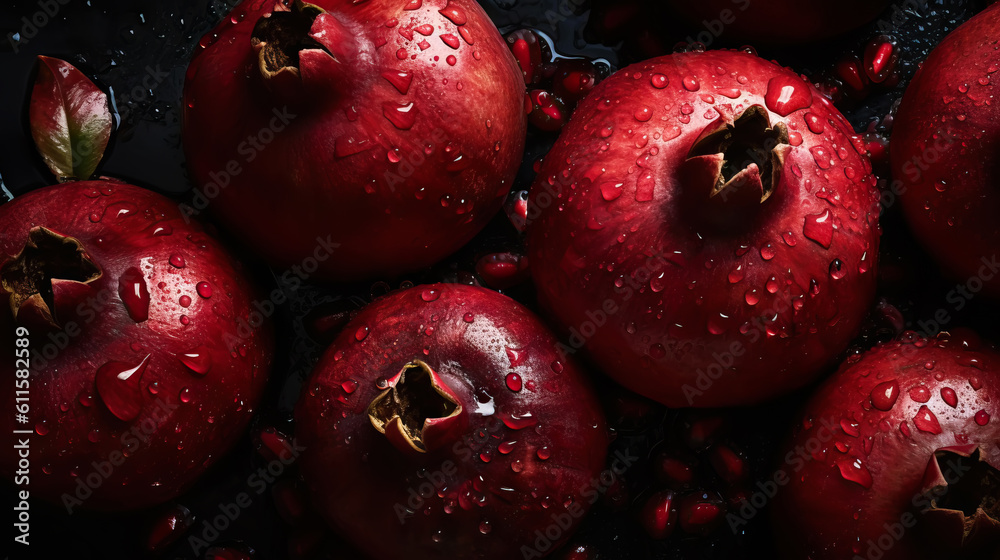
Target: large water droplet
point(198, 360)
point(926, 421)
point(402, 116)
point(884, 395)
point(118, 387)
point(982, 417)
point(786, 94)
point(134, 294)
point(854, 470)
point(819, 228)
point(513, 382)
point(399, 80)
point(949, 396)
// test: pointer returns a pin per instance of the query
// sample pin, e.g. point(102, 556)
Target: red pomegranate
point(945, 146)
point(897, 456)
point(443, 423)
point(702, 215)
point(389, 130)
point(137, 342)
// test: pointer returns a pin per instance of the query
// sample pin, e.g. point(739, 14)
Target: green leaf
point(70, 120)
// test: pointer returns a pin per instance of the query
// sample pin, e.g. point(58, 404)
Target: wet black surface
point(138, 51)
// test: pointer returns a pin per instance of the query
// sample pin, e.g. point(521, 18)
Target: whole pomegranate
point(897, 456)
point(140, 359)
point(702, 215)
point(775, 21)
point(442, 423)
point(354, 133)
point(945, 147)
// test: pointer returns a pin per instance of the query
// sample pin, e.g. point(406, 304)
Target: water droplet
point(204, 289)
point(185, 395)
point(751, 297)
point(814, 123)
point(658, 283)
point(469, 317)
point(454, 13)
point(485, 528)
point(134, 294)
point(771, 285)
point(42, 428)
point(401, 115)
point(399, 80)
point(177, 261)
point(767, 252)
point(822, 157)
point(982, 417)
point(786, 94)
point(514, 382)
point(737, 275)
point(920, 394)
point(430, 295)
point(506, 447)
point(643, 114)
point(198, 360)
point(837, 270)
point(850, 428)
point(118, 386)
point(519, 422)
point(819, 228)
point(691, 83)
point(949, 396)
point(926, 421)
point(884, 395)
point(361, 333)
point(451, 40)
point(611, 190)
point(659, 81)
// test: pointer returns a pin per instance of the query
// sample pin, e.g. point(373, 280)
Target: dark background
point(117, 43)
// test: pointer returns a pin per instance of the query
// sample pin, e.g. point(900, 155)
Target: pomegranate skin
point(168, 303)
point(945, 147)
point(687, 297)
point(523, 455)
point(859, 460)
point(383, 148)
point(775, 22)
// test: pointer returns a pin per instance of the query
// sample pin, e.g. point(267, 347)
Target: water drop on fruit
point(198, 360)
point(118, 386)
point(134, 294)
point(884, 395)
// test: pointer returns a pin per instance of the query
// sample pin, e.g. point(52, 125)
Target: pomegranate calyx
point(417, 410)
point(48, 266)
point(278, 37)
point(752, 155)
point(963, 492)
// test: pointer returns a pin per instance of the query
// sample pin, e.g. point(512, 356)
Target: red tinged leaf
point(70, 120)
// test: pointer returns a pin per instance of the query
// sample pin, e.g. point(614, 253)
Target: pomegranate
point(702, 213)
point(897, 455)
point(944, 153)
point(442, 423)
point(357, 125)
